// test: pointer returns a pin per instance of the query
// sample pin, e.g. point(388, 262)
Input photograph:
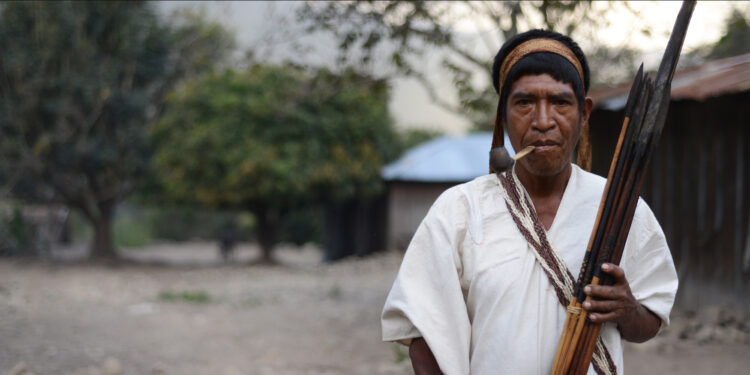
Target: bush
point(131, 230)
point(17, 236)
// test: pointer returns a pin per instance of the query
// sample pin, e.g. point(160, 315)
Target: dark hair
point(540, 63)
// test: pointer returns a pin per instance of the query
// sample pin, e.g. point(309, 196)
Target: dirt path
point(198, 316)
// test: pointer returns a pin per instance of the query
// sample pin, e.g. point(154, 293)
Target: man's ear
point(588, 106)
point(583, 158)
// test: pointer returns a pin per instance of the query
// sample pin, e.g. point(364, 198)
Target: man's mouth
point(545, 145)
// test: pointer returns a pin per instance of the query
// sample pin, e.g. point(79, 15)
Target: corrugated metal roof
point(713, 78)
point(444, 159)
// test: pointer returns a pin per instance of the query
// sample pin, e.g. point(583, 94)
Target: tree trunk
point(268, 228)
point(102, 247)
point(338, 239)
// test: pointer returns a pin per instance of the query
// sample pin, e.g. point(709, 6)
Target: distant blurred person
point(227, 243)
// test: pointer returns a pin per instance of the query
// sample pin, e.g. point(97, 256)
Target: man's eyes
point(562, 102)
point(557, 102)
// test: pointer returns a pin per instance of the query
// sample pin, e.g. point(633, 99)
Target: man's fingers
point(604, 292)
point(602, 317)
point(602, 306)
point(616, 272)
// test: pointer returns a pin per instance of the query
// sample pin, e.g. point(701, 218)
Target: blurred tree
point(736, 38)
point(407, 32)
point(80, 83)
point(272, 138)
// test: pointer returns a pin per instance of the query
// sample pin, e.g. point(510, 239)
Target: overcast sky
point(254, 21)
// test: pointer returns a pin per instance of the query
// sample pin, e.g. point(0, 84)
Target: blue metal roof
point(445, 159)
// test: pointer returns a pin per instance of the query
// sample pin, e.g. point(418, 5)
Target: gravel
point(177, 309)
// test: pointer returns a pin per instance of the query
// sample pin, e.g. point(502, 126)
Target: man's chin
point(545, 170)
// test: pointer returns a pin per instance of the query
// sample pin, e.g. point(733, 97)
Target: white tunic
point(470, 285)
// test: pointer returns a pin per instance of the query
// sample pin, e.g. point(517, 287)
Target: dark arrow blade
point(657, 109)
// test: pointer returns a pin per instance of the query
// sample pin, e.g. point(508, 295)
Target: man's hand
point(616, 304)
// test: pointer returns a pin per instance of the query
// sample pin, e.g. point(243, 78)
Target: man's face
point(543, 112)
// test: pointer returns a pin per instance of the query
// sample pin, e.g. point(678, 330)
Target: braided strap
point(524, 215)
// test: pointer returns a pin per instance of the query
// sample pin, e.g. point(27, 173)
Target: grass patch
point(197, 296)
point(335, 292)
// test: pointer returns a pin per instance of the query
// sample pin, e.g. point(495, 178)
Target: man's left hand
point(616, 304)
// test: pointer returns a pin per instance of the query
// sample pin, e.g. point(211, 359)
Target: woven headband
point(534, 46)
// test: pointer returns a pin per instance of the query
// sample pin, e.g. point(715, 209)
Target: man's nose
point(543, 117)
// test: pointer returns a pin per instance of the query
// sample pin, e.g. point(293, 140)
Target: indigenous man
point(478, 291)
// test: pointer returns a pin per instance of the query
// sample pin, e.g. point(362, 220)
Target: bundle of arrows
point(645, 114)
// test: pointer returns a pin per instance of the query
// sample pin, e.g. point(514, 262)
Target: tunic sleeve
point(426, 299)
point(649, 267)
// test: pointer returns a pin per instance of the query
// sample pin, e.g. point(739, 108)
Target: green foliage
point(16, 235)
point(80, 83)
point(271, 139)
point(197, 296)
point(736, 38)
point(76, 86)
point(130, 230)
point(275, 135)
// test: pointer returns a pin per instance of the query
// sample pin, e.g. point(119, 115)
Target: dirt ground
point(176, 309)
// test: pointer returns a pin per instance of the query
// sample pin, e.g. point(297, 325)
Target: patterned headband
point(533, 46)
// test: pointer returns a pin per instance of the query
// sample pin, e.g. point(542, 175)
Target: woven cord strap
point(524, 215)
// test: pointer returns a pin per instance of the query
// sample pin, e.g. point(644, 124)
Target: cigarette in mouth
point(523, 152)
